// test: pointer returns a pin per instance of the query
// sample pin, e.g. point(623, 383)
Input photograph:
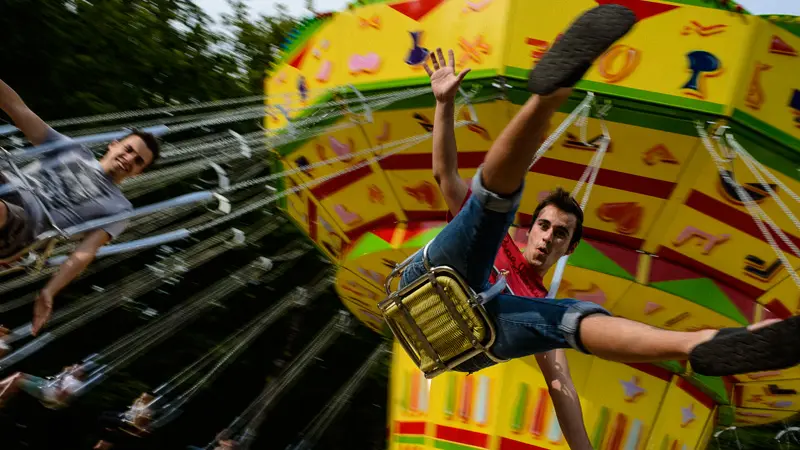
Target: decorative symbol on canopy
point(385, 134)
point(780, 47)
point(709, 240)
point(794, 103)
point(324, 73)
point(702, 65)
point(659, 154)
point(424, 122)
point(575, 142)
point(775, 390)
point(757, 268)
point(476, 6)
point(652, 308)
point(631, 57)
point(341, 149)
point(424, 192)
point(591, 294)
point(303, 164)
point(687, 415)
point(475, 127)
point(370, 22)
point(626, 215)
point(472, 50)
point(540, 47)
point(369, 63)
point(348, 218)
point(302, 88)
point(703, 30)
point(375, 194)
point(632, 389)
point(418, 54)
point(757, 192)
point(755, 92)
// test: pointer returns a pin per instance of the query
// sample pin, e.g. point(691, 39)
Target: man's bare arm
point(445, 157)
point(444, 83)
point(34, 128)
point(69, 270)
point(565, 399)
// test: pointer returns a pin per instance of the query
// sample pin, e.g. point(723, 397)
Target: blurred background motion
point(258, 328)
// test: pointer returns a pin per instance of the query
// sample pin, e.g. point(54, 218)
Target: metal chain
point(586, 103)
point(745, 155)
point(147, 112)
point(322, 421)
point(340, 158)
point(410, 142)
point(755, 211)
point(596, 162)
point(770, 191)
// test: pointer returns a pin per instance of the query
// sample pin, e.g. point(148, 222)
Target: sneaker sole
point(584, 41)
point(770, 348)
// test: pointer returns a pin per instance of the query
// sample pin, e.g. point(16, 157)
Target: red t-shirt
point(521, 278)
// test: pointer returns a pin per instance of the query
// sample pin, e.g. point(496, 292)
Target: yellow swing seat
point(438, 319)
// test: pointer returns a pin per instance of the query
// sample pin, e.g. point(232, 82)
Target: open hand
point(42, 309)
point(444, 80)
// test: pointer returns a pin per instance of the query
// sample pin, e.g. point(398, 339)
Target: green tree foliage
point(75, 57)
point(256, 41)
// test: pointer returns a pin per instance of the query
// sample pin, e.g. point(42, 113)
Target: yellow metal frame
point(437, 319)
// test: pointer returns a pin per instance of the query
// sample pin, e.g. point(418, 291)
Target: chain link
point(586, 103)
point(758, 215)
point(148, 112)
point(407, 143)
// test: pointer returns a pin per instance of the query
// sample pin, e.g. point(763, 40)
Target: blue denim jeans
point(469, 244)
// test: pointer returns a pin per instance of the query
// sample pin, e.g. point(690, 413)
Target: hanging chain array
point(755, 211)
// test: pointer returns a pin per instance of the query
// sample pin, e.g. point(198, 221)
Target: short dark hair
point(150, 141)
point(562, 200)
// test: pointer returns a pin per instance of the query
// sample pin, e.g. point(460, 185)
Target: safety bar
point(138, 244)
point(39, 150)
point(244, 149)
point(188, 199)
point(222, 180)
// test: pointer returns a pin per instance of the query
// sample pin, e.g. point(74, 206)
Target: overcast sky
point(297, 7)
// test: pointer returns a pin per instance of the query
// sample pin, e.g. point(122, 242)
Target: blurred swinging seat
point(438, 319)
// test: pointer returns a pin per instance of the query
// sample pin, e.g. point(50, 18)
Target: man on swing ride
point(73, 186)
point(476, 239)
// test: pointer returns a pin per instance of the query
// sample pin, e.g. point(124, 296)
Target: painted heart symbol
point(368, 63)
point(626, 215)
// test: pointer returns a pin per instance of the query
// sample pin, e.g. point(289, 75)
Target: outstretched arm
point(444, 83)
point(565, 399)
point(72, 267)
point(29, 123)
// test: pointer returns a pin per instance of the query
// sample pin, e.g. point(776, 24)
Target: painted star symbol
point(632, 389)
point(687, 415)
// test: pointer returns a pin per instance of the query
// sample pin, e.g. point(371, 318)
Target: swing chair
point(35, 256)
point(438, 319)
point(243, 429)
point(214, 362)
point(791, 434)
point(126, 349)
point(735, 435)
point(38, 254)
point(719, 146)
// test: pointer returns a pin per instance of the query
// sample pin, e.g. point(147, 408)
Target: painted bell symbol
point(417, 55)
point(700, 62)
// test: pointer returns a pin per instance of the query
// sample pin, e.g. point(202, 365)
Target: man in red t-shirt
point(476, 239)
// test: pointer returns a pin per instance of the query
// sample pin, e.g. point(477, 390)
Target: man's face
point(549, 238)
point(127, 158)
